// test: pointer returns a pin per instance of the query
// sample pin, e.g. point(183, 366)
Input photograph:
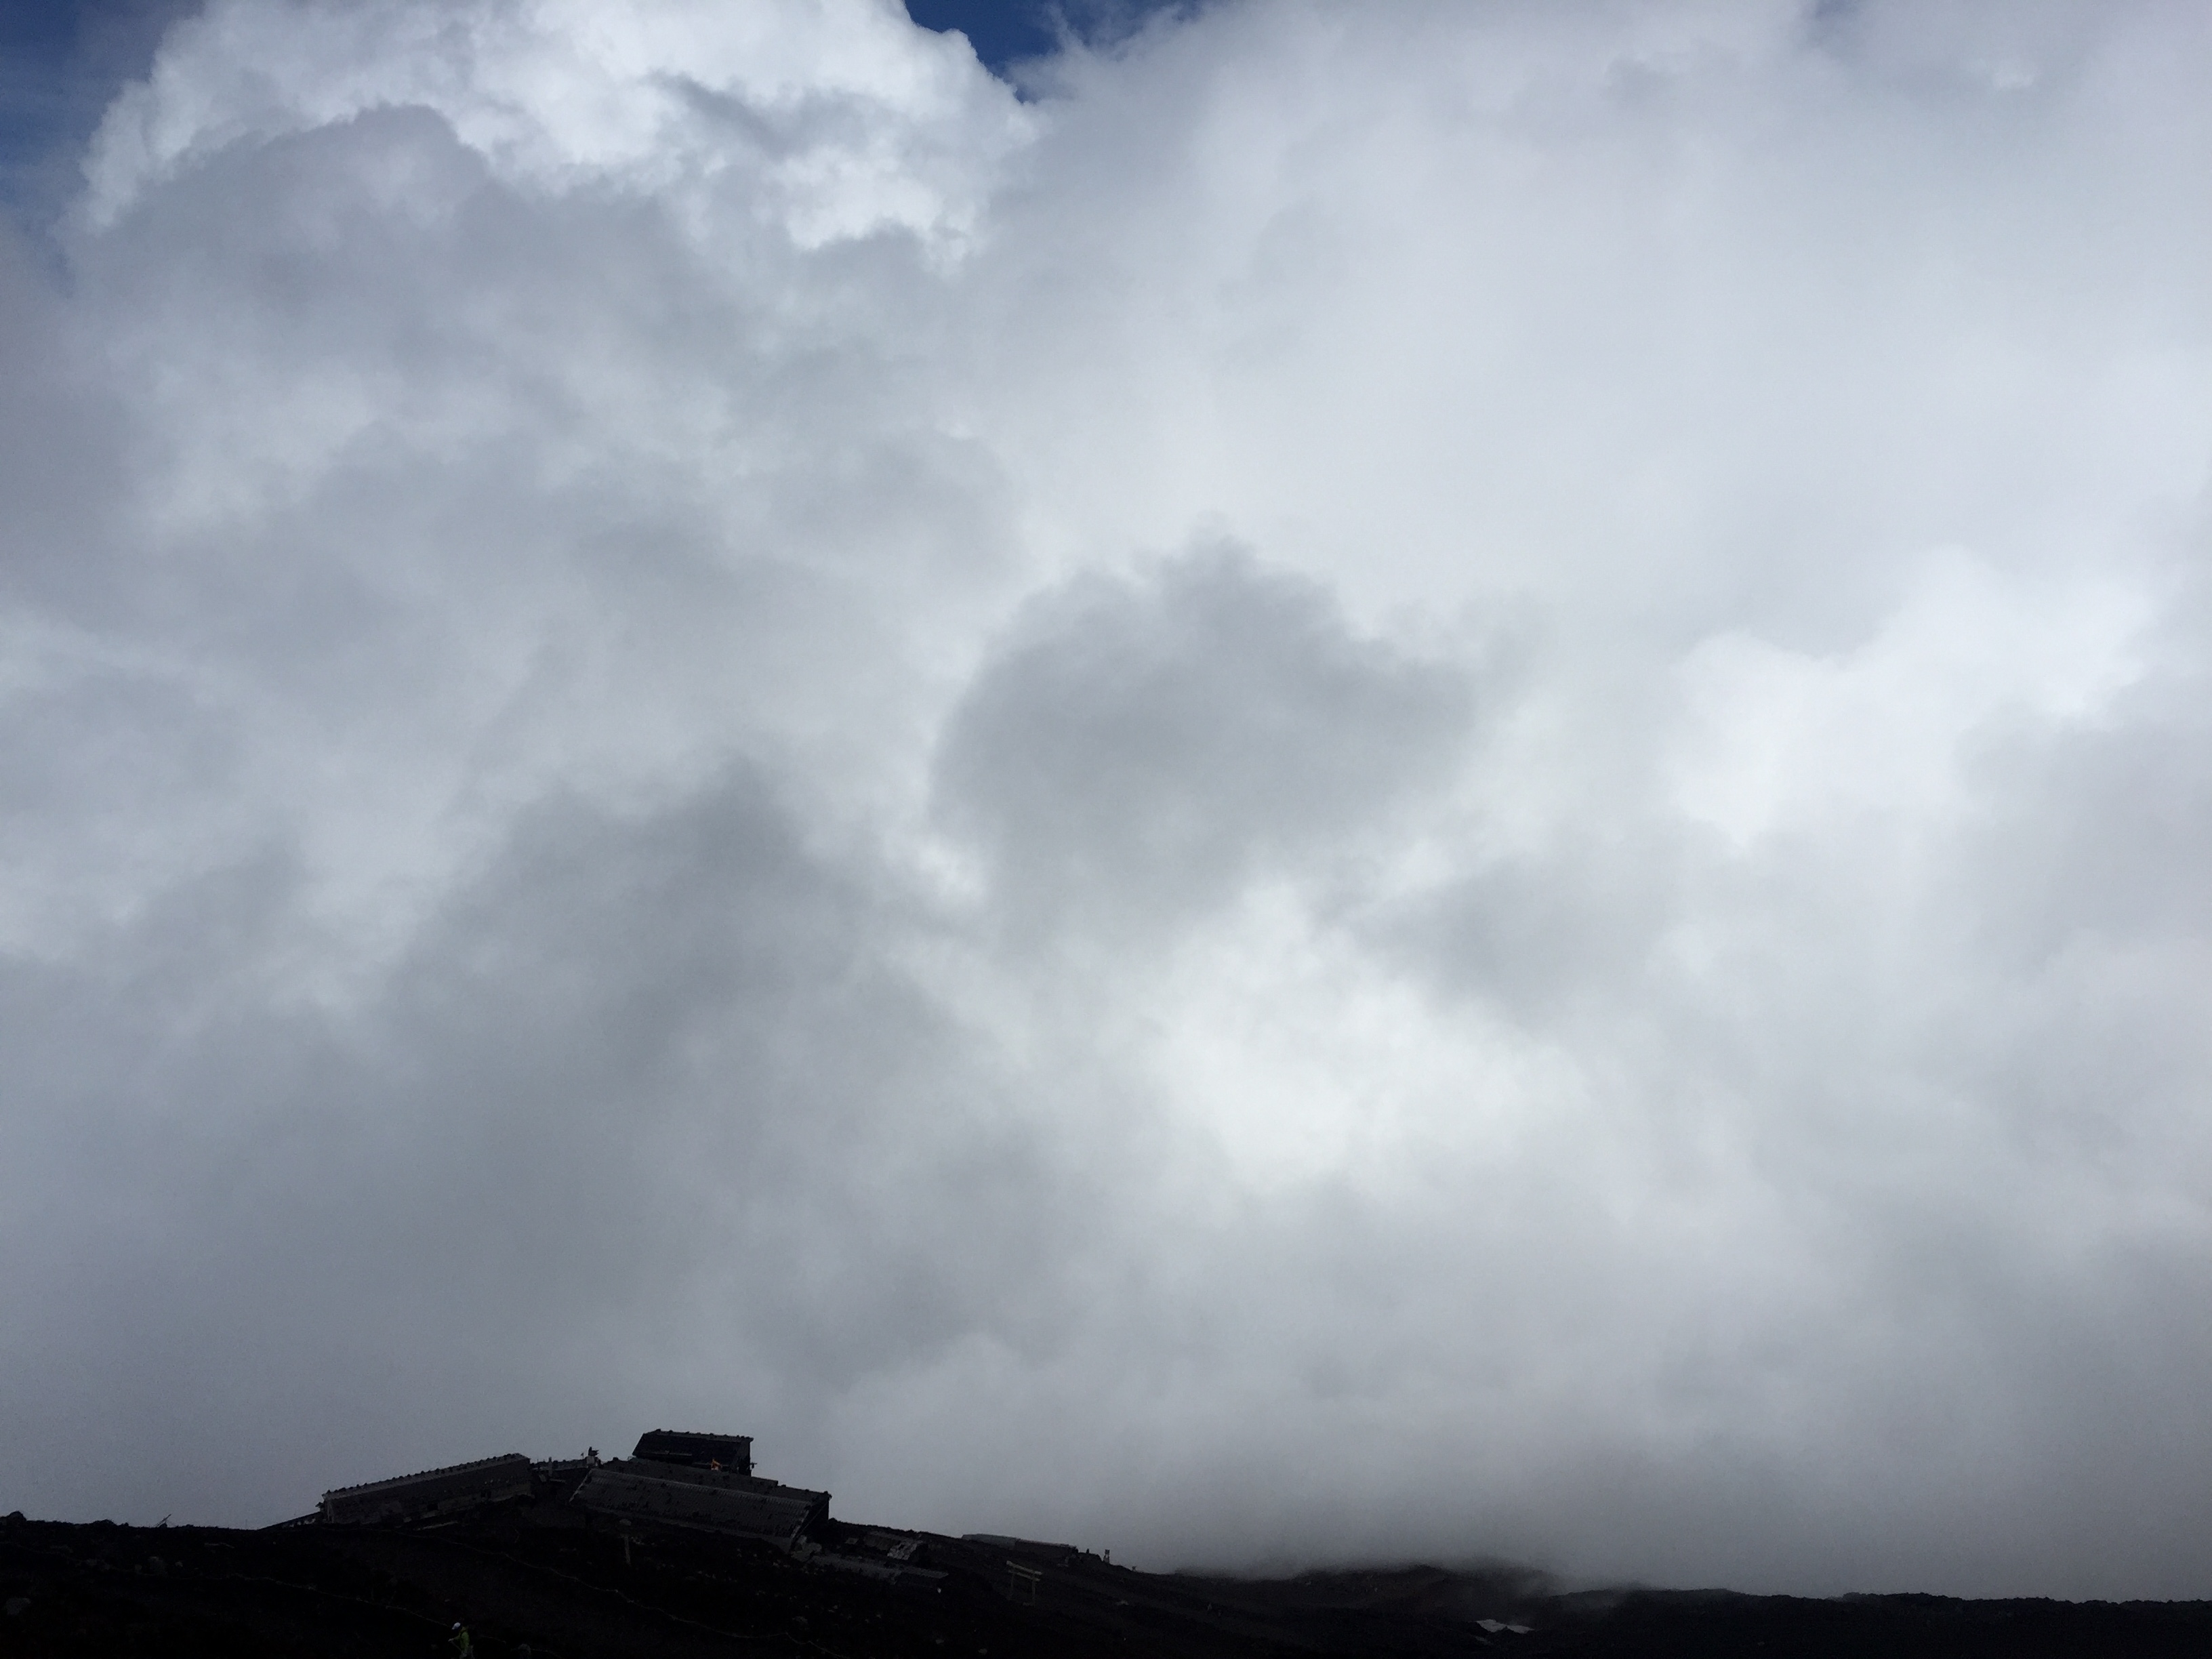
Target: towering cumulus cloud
point(1388, 781)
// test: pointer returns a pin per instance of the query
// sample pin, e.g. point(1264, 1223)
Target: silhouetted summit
point(680, 1550)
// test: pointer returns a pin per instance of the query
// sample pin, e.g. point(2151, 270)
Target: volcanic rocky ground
point(542, 1577)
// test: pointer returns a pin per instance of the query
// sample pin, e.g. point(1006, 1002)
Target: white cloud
point(1776, 738)
point(828, 121)
point(637, 785)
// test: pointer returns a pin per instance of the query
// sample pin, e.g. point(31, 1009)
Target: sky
point(1309, 784)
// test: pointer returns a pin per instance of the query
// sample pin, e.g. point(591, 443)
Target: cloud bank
point(1398, 780)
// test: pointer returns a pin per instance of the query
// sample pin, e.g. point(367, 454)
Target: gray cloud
point(612, 815)
point(641, 1077)
point(1162, 746)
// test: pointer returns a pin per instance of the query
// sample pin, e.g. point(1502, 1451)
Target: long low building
point(709, 1500)
point(430, 1493)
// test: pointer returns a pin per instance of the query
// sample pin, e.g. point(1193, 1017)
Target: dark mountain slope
point(545, 1577)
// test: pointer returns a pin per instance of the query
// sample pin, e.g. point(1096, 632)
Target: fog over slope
point(1394, 780)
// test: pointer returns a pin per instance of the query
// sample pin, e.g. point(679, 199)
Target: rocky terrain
point(546, 1580)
